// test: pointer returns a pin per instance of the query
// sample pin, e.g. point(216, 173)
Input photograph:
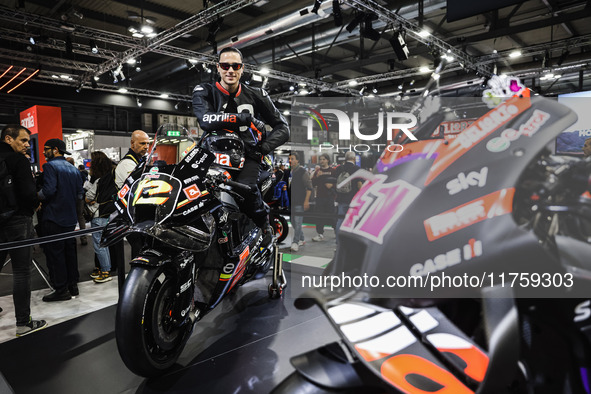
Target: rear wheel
point(149, 341)
point(280, 227)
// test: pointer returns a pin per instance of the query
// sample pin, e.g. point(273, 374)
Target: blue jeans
point(19, 228)
point(341, 211)
point(296, 222)
point(102, 254)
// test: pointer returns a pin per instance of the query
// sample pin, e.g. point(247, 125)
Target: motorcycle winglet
point(413, 350)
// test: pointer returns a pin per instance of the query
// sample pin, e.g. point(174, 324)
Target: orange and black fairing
point(442, 206)
point(414, 350)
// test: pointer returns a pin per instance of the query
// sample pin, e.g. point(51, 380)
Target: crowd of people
point(57, 199)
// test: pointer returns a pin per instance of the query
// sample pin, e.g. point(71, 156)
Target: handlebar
point(237, 185)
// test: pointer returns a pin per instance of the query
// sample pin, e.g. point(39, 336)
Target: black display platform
point(243, 346)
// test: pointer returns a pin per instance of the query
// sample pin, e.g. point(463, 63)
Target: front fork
point(279, 280)
point(182, 267)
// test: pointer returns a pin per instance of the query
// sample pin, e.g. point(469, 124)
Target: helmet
point(227, 148)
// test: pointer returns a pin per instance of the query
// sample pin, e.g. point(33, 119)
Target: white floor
point(92, 297)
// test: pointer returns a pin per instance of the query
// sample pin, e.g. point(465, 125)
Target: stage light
point(399, 46)
point(562, 57)
point(212, 30)
point(359, 16)
point(336, 13)
point(515, 54)
point(138, 101)
point(368, 31)
point(316, 7)
point(93, 47)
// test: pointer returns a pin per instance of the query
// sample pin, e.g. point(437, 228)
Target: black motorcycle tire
point(280, 227)
point(148, 343)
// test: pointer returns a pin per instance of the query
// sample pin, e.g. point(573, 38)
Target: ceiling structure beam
point(414, 30)
point(523, 27)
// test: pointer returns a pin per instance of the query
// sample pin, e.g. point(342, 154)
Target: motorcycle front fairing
point(165, 203)
point(420, 213)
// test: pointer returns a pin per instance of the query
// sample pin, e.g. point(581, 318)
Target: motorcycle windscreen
point(414, 350)
point(153, 197)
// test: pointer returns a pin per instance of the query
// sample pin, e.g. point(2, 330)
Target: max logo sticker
point(494, 204)
point(463, 181)
point(192, 192)
point(377, 206)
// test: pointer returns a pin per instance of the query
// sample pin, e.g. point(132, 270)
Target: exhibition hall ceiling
point(156, 47)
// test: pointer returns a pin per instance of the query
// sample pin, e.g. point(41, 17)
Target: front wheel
point(149, 342)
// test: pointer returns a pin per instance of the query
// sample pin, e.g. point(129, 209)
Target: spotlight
point(212, 30)
point(138, 101)
point(93, 83)
point(69, 45)
point(359, 16)
point(32, 40)
point(93, 47)
point(176, 106)
point(436, 59)
point(374, 90)
point(546, 60)
point(317, 4)
point(336, 13)
point(399, 46)
point(516, 53)
point(115, 80)
point(368, 31)
point(562, 57)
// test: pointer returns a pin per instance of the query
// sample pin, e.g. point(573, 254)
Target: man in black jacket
point(230, 105)
point(14, 145)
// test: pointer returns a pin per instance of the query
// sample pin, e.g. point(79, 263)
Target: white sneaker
point(301, 243)
point(294, 247)
point(318, 238)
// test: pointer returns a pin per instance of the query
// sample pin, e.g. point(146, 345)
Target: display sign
point(78, 144)
point(173, 133)
point(571, 140)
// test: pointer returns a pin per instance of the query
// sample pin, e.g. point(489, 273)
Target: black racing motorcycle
point(197, 245)
point(468, 262)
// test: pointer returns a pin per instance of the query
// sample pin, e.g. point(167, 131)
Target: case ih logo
point(455, 256)
point(494, 204)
